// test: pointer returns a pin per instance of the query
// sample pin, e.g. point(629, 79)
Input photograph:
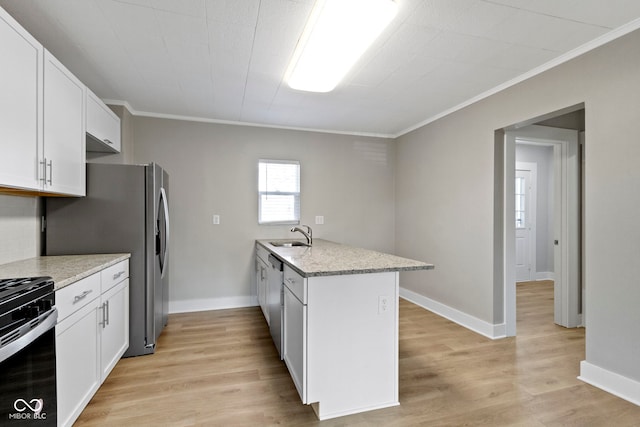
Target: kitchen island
point(340, 324)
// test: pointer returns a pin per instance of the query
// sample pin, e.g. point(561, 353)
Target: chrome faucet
point(308, 234)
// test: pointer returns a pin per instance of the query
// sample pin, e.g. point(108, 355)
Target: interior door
point(523, 225)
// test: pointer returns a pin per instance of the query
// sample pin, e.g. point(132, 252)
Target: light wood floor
point(220, 368)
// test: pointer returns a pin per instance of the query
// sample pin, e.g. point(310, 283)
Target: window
point(278, 192)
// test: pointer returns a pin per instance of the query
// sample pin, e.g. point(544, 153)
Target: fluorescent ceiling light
point(336, 35)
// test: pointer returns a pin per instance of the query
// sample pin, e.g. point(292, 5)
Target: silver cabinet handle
point(117, 275)
point(105, 314)
point(106, 319)
point(108, 142)
point(290, 281)
point(50, 172)
point(82, 296)
point(44, 170)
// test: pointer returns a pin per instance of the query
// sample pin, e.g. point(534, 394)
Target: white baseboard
point(545, 275)
point(201, 304)
point(623, 387)
point(463, 319)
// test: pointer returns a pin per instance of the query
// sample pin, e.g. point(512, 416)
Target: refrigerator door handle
point(165, 206)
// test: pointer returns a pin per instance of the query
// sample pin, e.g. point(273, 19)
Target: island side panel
point(352, 347)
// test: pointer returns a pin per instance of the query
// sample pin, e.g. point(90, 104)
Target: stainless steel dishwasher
point(275, 300)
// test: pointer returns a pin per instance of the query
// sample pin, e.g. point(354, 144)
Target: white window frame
point(275, 192)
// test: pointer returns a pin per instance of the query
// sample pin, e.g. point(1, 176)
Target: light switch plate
point(216, 219)
point(319, 220)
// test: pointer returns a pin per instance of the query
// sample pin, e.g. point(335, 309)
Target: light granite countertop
point(63, 269)
point(326, 258)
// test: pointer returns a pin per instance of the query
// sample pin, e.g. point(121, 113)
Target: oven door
point(28, 373)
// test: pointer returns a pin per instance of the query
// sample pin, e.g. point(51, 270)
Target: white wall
point(447, 211)
point(213, 170)
point(19, 228)
point(543, 158)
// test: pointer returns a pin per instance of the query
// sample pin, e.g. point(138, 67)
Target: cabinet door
point(77, 369)
point(20, 105)
point(262, 287)
point(295, 341)
point(64, 129)
point(114, 326)
point(103, 126)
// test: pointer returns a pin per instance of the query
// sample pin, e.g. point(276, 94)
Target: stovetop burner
point(16, 292)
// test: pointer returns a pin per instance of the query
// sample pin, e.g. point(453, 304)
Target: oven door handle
point(26, 334)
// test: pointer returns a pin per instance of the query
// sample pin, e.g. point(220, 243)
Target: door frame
point(566, 225)
point(532, 221)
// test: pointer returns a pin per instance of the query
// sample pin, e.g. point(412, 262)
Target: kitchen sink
point(289, 243)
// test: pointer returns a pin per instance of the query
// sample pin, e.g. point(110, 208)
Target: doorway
point(566, 222)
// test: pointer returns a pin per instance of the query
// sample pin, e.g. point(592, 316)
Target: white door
point(523, 225)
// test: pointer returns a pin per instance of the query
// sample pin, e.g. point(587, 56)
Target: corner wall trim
point(616, 384)
point(493, 331)
point(193, 305)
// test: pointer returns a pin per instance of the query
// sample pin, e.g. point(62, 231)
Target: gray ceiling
point(224, 60)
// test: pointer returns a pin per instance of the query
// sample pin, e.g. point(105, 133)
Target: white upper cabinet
point(42, 117)
point(64, 159)
point(20, 106)
point(103, 126)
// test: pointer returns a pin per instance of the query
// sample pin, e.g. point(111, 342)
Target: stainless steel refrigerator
point(125, 210)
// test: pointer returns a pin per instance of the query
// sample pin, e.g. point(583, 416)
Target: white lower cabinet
point(295, 341)
point(114, 327)
point(77, 358)
point(91, 335)
point(341, 340)
point(262, 285)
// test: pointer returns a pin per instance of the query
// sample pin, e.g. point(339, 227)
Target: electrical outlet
point(216, 219)
point(319, 219)
point(383, 304)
